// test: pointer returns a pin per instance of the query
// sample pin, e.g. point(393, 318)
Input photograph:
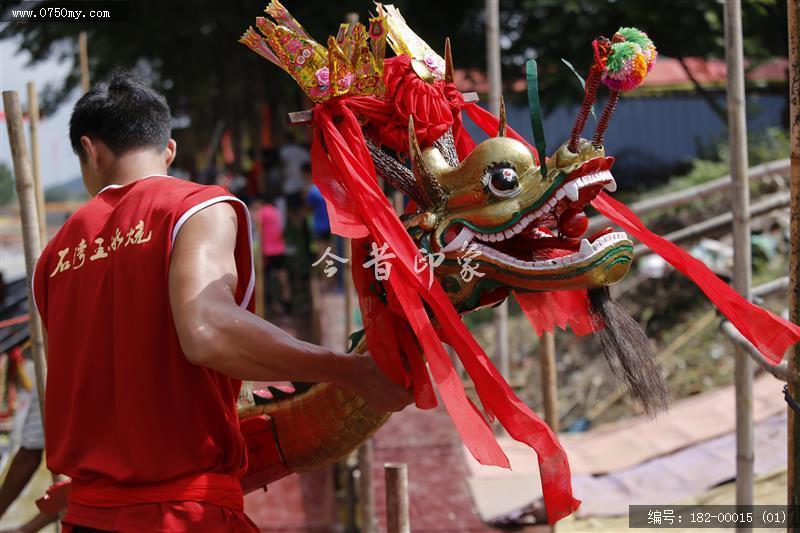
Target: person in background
point(319, 214)
point(24, 465)
point(293, 156)
point(273, 250)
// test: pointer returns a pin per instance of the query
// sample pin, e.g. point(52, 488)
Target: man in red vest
point(146, 294)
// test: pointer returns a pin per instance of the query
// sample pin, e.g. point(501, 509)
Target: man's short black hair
point(123, 112)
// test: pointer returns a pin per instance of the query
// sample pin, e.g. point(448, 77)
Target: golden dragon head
point(513, 227)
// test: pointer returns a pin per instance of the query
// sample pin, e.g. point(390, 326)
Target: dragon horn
point(502, 126)
point(448, 61)
point(431, 192)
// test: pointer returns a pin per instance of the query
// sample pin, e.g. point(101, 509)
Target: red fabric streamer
point(546, 310)
point(349, 162)
point(771, 334)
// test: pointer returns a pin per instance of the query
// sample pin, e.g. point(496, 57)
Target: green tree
point(189, 50)
point(549, 30)
point(8, 191)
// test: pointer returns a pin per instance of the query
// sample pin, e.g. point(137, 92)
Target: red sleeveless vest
point(124, 407)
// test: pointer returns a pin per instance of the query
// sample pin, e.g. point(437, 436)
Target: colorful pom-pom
point(630, 59)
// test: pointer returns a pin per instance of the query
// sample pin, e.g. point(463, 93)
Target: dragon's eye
point(503, 182)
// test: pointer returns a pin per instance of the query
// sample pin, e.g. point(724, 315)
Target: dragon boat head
point(498, 224)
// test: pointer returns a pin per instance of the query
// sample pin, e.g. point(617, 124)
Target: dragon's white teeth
point(458, 242)
point(586, 250)
point(586, 247)
point(509, 233)
point(611, 186)
point(560, 194)
point(571, 190)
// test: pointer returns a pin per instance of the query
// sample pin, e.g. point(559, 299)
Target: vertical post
point(348, 289)
point(740, 202)
point(83, 53)
point(493, 54)
point(33, 123)
point(366, 492)
point(30, 228)
point(549, 383)
point(258, 263)
point(793, 433)
point(351, 18)
point(397, 520)
point(495, 90)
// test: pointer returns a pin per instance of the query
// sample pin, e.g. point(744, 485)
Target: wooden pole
point(549, 383)
point(740, 203)
point(30, 228)
point(348, 290)
point(33, 123)
point(83, 52)
point(366, 493)
point(397, 520)
point(258, 260)
point(793, 478)
point(495, 90)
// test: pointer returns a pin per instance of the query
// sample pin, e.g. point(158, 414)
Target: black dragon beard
point(628, 352)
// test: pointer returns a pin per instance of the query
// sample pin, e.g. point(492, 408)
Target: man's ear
point(90, 153)
point(170, 152)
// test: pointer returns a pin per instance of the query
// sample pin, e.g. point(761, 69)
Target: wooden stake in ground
point(366, 495)
point(83, 52)
point(33, 123)
point(547, 352)
point(793, 478)
point(740, 202)
point(30, 228)
point(397, 520)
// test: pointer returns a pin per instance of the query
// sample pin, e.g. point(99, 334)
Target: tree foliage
point(189, 49)
point(7, 187)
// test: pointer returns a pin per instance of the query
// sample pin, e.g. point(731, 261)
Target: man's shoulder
point(176, 193)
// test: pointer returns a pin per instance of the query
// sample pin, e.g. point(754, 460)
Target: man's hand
point(369, 382)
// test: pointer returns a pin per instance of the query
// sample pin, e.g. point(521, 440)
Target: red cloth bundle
point(344, 172)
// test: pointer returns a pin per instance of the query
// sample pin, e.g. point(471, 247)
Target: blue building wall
point(655, 134)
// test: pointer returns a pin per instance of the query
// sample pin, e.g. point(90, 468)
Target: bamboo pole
point(397, 519)
point(348, 290)
point(352, 19)
point(495, 90)
point(549, 383)
point(33, 124)
point(740, 203)
point(793, 433)
point(258, 261)
point(30, 229)
point(83, 53)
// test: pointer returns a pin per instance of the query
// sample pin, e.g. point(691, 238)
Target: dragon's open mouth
point(552, 235)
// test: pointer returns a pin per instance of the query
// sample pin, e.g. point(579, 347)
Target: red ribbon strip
point(771, 334)
point(346, 159)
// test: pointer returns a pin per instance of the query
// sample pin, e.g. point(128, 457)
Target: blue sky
point(58, 162)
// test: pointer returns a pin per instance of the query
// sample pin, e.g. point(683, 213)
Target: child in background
point(273, 249)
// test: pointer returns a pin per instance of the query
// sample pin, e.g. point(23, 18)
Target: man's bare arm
point(215, 332)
